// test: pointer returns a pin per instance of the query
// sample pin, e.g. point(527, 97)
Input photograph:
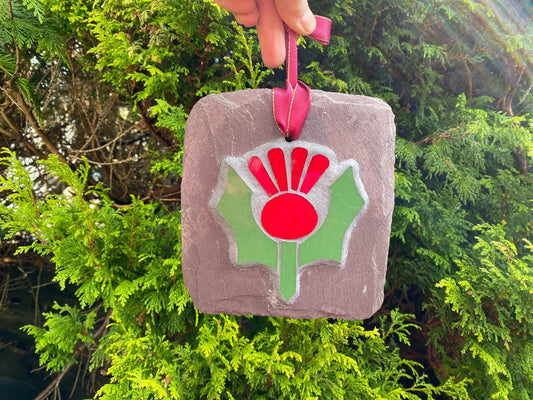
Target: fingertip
point(307, 23)
point(273, 60)
point(247, 19)
point(272, 48)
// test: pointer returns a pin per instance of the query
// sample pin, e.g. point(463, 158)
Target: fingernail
point(308, 22)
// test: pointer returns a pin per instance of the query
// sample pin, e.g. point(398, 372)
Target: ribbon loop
point(291, 104)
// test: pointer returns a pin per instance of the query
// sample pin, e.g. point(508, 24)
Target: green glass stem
point(287, 268)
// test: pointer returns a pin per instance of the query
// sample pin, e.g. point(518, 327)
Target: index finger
point(271, 34)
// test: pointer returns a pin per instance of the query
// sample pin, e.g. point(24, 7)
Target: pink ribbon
point(291, 104)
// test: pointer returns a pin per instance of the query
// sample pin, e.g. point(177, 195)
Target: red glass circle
point(289, 216)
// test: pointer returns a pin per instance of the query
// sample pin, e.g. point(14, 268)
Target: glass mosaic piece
point(309, 222)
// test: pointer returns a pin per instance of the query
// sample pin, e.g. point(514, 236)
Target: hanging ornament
point(296, 224)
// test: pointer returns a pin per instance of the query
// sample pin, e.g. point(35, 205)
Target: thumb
point(297, 15)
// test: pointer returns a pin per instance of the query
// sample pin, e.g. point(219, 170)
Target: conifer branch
point(16, 135)
point(155, 132)
point(15, 44)
point(468, 77)
point(55, 383)
point(526, 94)
point(444, 135)
point(20, 102)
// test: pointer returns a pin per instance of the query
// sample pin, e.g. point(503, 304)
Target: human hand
point(269, 16)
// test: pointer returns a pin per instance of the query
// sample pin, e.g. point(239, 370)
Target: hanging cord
point(291, 104)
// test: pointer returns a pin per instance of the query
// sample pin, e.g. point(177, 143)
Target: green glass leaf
point(345, 204)
point(253, 246)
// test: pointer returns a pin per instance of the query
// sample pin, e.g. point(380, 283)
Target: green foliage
point(145, 50)
point(25, 26)
point(172, 118)
point(492, 296)
point(26, 23)
point(447, 184)
point(454, 179)
point(64, 330)
point(244, 55)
